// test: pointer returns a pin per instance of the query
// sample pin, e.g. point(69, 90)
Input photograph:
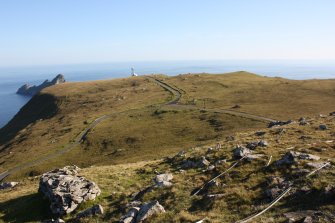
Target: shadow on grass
point(27, 208)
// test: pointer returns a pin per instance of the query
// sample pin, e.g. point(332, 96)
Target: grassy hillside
point(139, 127)
point(243, 188)
point(278, 98)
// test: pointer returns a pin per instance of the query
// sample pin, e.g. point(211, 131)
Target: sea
point(11, 78)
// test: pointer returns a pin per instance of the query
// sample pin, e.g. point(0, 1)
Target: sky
point(40, 32)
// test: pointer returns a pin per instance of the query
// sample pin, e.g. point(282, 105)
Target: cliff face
point(32, 90)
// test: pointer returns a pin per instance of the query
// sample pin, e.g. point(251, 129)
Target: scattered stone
point(236, 106)
point(291, 157)
point(215, 196)
point(279, 123)
point(315, 165)
point(203, 162)
point(300, 216)
point(8, 185)
point(53, 221)
point(254, 145)
point(230, 138)
point(130, 216)
point(323, 127)
point(241, 151)
point(66, 190)
point(303, 121)
point(181, 154)
point(332, 113)
point(329, 189)
point(188, 164)
point(149, 209)
point(276, 186)
point(210, 149)
point(163, 180)
point(211, 167)
point(93, 211)
point(251, 157)
point(260, 133)
point(220, 162)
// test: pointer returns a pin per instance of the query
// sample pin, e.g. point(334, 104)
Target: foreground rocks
point(137, 214)
point(66, 190)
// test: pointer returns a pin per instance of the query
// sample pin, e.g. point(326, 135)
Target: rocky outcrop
point(66, 190)
point(32, 90)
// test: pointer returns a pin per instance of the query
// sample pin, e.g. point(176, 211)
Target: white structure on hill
point(133, 74)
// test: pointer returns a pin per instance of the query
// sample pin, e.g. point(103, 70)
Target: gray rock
point(323, 127)
point(211, 167)
point(32, 90)
point(163, 180)
point(332, 113)
point(93, 211)
point(8, 185)
point(291, 157)
point(241, 151)
point(149, 209)
point(66, 190)
point(316, 165)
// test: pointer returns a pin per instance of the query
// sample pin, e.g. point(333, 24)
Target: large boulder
point(66, 190)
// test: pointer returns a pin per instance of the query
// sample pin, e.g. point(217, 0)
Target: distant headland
point(27, 89)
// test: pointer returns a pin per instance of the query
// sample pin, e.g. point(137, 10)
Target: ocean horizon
point(11, 78)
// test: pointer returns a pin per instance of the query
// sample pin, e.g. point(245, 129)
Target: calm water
point(12, 78)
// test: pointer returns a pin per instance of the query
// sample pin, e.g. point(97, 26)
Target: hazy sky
point(40, 32)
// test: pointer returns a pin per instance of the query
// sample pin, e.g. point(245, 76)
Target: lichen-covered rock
point(66, 190)
point(93, 211)
point(149, 209)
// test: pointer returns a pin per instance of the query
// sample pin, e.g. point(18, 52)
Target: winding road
point(177, 94)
